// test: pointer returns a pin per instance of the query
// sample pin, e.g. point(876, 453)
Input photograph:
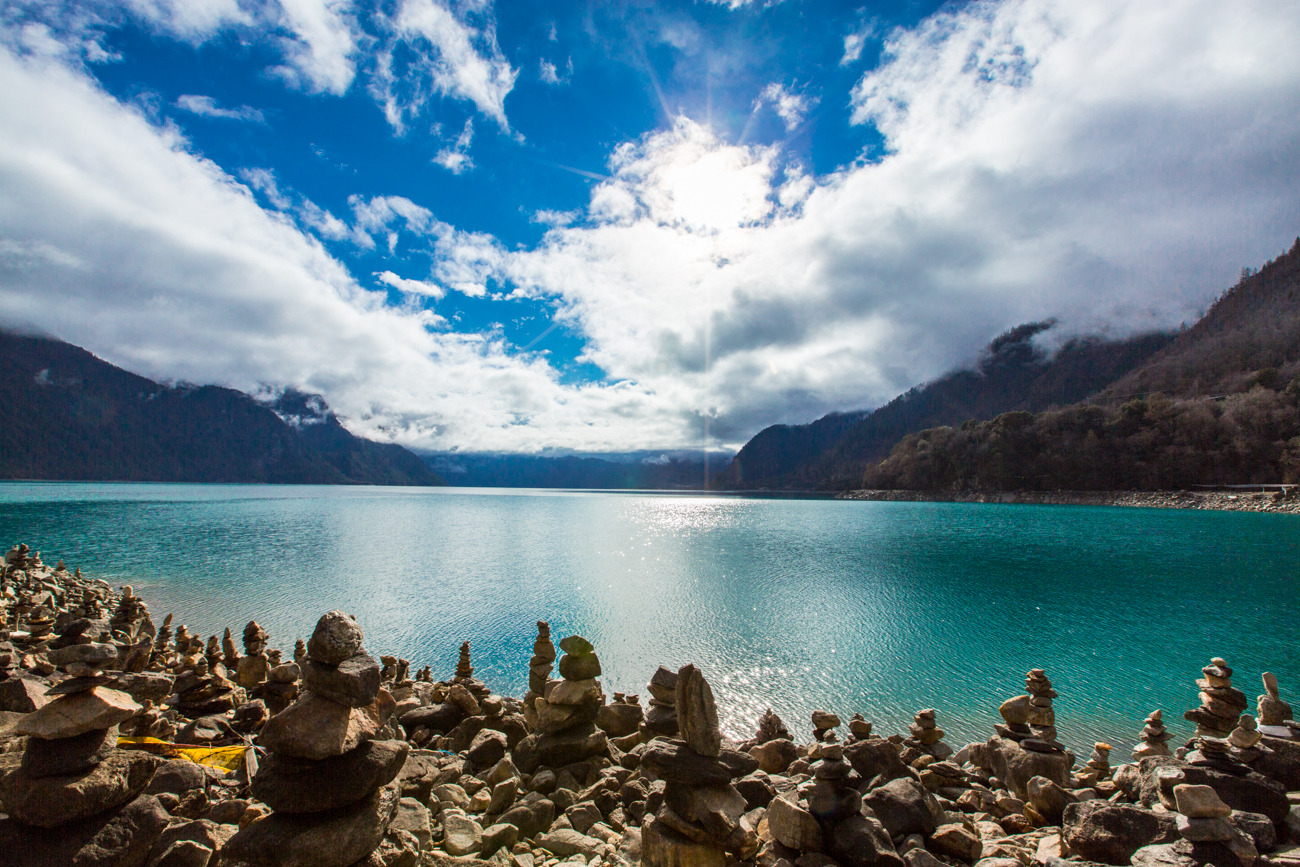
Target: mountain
point(1013, 373)
point(645, 471)
point(1219, 405)
point(65, 414)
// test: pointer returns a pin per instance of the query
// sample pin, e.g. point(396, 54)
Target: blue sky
point(613, 226)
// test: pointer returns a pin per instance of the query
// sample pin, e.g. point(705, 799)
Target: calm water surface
point(878, 608)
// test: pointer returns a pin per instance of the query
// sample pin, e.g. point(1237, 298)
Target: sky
point(613, 226)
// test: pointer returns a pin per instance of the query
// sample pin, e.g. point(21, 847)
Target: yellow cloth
point(227, 758)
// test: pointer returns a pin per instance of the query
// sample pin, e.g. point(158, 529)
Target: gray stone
point(502, 835)
point(566, 842)
point(289, 785)
point(72, 715)
point(72, 755)
point(413, 817)
point(461, 835)
point(859, 841)
point(674, 761)
point(697, 712)
point(904, 806)
point(121, 837)
point(336, 638)
point(50, 801)
point(793, 826)
point(353, 682)
point(1111, 833)
point(93, 655)
point(335, 839)
point(317, 728)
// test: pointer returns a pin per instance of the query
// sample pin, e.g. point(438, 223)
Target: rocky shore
point(127, 742)
point(1244, 500)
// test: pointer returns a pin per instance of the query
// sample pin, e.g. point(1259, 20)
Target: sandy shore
point(1227, 501)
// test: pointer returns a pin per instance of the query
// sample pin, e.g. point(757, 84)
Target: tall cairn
point(927, 736)
point(73, 788)
point(539, 671)
point(1221, 703)
point(1154, 739)
point(328, 781)
point(566, 730)
point(701, 820)
point(255, 665)
point(661, 719)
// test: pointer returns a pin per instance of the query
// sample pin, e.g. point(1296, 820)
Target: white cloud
point(856, 41)
point(431, 52)
point(550, 74)
point(206, 106)
point(411, 287)
point(791, 107)
point(263, 181)
point(455, 158)
point(320, 53)
point(192, 20)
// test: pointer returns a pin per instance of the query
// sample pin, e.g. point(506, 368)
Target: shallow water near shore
point(874, 607)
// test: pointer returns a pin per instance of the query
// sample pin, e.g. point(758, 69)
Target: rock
point(317, 728)
point(956, 841)
point(1200, 802)
point(72, 715)
point(178, 777)
point(1281, 762)
point(566, 842)
point(661, 846)
point(49, 801)
point(461, 835)
point(560, 749)
point(1048, 799)
point(121, 837)
point(487, 748)
point(697, 712)
point(93, 655)
point(336, 638)
point(775, 756)
point(289, 785)
point(142, 686)
point(181, 843)
point(582, 667)
point(793, 826)
point(676, 762)
point(335, 839)
point(72, 755)
point(577, 645)
point(22, 694)
point(922, 858)
point(1204, 829)
point(903, 806)
point(1249, 792)
point(1111, 833)
point(573, 692)
point(1256, 826)
point(1015, 766)
point(354, 682)
point(499, 836)
point(858, 841)
point(877, 761)
point(439, 718)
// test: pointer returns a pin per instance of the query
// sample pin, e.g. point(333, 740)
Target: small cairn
point(539, 671)
point(255, 665)
point(1209, 836)
point(281, 687)
point(621, 717)
point(130, 615)
point(1097, 768)
point(927, 736)
point(230, 655)
point(566, 729)
point(1221, 703)
point(1154, 739)
point(464, 674)
point(701, 819)
point(1245, 740)
point(824, 725)
point(299, 651)
point(202, 691)
point(772, 745)
point(328, 781)
point(72, 779)
point(859, 728)
point(1273, 712)
point(661, 719)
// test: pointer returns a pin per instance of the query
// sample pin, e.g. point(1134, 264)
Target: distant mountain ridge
point(1012, 374)
point(614, 472)
point(65, 414)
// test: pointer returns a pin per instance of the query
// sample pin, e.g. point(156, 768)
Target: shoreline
point(1221, 501)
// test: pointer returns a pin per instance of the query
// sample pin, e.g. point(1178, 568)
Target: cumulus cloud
point(790, 106)
point(411, 287)
point(319, 53)
point(455, 158)
point(433, 51)
point(856, 41)
point(206, 106)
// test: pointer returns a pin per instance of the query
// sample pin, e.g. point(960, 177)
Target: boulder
point(317, 728)
point(1016, 766)
point(877, 761)
point(50, 801)
point(859, 841)
point(793, 826)
point(289, 785)
point(904, 806)
point(336, 638)
point(335, 839)
point(354, 682)
point(121, 837)
point(1111, 833)
point(72, 715)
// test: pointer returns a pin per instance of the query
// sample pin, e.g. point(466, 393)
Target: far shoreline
point(1280, 501)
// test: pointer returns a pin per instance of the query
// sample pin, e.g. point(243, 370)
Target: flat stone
point(94, 655)
point(336, 638)
point(354, 682)
point(74, 685)
point(697, 712)
point(289, 785)
point(117, 837)
point(674, 761)
point(50, 801)
point(1200, 802)
point(661, 846)
point(502, 835)
point(71, 715)
point(581, 667)
point(413, 817)
point(576, 645)
point(956, 841)
point(1205, 829)
point(461, 835)
point(791, 825)
point(317, 728)
point(74, 755)
point(335, 839)
point(574, 692)
point(22, 695)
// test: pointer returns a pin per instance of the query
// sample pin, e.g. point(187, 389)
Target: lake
point(871, 607)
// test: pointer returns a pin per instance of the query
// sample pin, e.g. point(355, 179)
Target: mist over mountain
point(65, 414)
point(636, 470)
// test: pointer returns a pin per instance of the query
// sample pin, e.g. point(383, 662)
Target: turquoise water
point(879, 608)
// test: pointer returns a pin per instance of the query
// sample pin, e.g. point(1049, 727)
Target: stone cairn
point(1042, 719)
point(661, 718)
point(701, 819)
point(201, 690)
point(859, 728)
point(1097, 768)
point(464, 674)
point(539, 671)
point(622, 717)
point(1273, 712)
point(1205, 825)
point(72, 779)
point(328, 781)
point(566, 729)
point(256, 664)
point(1221, 703)
point(281, 687)
point(772, 744)
point(824, 725)
point(927, 736)
point(1154, 739)
point(1245, 740)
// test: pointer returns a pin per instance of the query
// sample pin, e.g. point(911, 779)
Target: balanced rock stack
point(927, 736)
point(202, 691)
point(566, 729)
point(281, 686)
point(130, 616)
point(661, 719)
point(1154, 739)
point(824, 725)
point(701, 819)
point(539, 671)
point(327, 780)
point(73, 788)
point(1245, 739)
point(1273, 712)
point(772, 745)
point(621, 717)
point(1209, 835)
point(1221, 703)
point(1097, 768)
point(1042, 719)
point(255, 665)
point(464, 674)
point(859, 728)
